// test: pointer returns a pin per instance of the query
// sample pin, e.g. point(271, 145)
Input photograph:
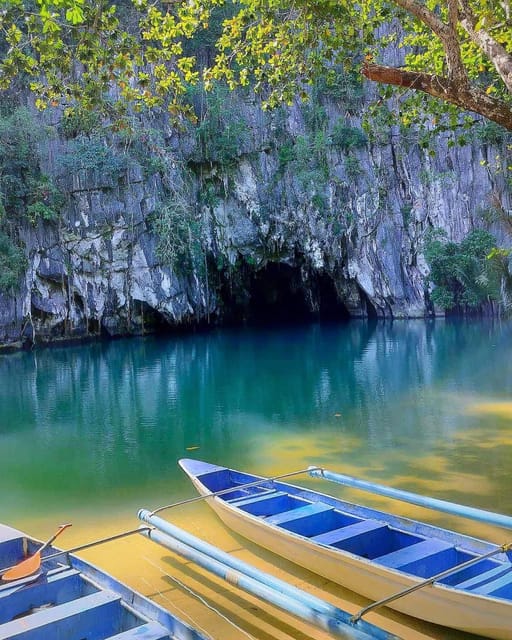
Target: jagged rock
point(349, 234)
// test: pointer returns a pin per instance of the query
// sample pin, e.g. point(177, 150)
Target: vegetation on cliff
point(467, 274)
point(26, 194)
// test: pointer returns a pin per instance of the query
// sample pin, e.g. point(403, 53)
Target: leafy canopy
point(72, 51)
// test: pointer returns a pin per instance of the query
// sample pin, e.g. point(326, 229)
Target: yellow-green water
point(90, 434)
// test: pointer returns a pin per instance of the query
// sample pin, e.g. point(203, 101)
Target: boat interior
point(369, 538)
point(62, 602)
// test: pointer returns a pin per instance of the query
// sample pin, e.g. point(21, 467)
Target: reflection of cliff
point(297, 216)
point(119, 413)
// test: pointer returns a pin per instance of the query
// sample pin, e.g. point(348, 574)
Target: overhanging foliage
point(72, 51)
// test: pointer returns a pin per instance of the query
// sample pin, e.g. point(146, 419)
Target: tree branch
point(496, 53)
point(447, 33)
point(424, 15)
point(465, 97)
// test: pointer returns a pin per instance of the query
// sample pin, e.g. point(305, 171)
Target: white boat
point(373, 553)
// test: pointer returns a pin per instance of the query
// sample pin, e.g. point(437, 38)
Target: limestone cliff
point(296, 211)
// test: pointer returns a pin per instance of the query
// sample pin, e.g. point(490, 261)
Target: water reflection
point(424, 405)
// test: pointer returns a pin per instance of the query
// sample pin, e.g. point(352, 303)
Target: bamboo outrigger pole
point(277, 592)
point(480, 515)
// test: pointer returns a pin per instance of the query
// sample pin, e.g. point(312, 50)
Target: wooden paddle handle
point(61, 528)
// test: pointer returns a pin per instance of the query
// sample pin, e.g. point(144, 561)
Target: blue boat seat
point(148, 631)
point(403, 558)
point(299, 513)
point(94, 616)
point(268, 504)
point(481, 579)
point(255, 497)
point(499, 584)
point(342, 534)
point(50, 590)
point(7, 587)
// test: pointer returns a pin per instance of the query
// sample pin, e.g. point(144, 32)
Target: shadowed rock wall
point(341, 220)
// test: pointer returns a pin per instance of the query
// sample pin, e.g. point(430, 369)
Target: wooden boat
point(70, 598)
point(373, 553)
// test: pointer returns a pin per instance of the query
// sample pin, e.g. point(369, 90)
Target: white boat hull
point(439, 604)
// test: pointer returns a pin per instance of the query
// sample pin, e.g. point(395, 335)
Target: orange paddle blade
point(24, 568)
point(30, 565)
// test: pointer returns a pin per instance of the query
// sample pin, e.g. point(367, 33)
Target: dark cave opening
point(277, 294)
point(145, 319)
point(371, 311)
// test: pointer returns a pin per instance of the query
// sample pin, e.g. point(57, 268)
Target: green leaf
point(75, 15)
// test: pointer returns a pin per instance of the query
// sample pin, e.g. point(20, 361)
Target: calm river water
point(89, 434)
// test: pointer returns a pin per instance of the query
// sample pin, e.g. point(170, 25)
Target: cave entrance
point(147, 320)
point(277, 294)
point(368, 307)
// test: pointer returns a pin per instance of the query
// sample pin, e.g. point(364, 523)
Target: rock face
point(291, 216)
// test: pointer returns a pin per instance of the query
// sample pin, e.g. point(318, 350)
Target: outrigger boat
point(45, 594)
point(419, 569)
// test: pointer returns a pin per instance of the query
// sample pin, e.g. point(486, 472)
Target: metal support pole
point(431, 580)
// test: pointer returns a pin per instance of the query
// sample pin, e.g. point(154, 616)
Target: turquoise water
point(426, 406)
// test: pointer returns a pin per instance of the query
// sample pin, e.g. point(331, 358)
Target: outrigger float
point(422, 570)
point(266, 587)
point(47, 594)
